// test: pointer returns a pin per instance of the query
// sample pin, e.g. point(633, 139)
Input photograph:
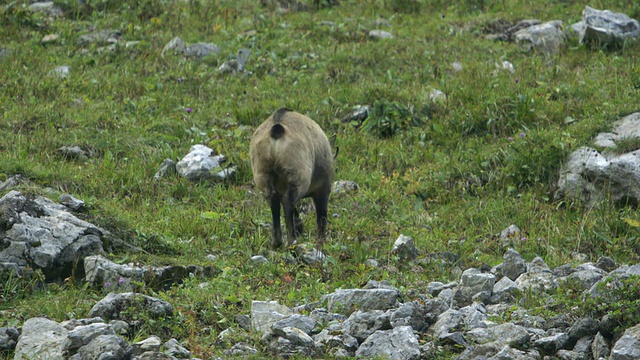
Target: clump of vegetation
point(386, 118)
point(616, 297)
point(14, 15)
point(619, 299)
point(626, 145)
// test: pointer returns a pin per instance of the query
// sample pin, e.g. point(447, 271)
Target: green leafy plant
point(386, 118)
point(16, 14)
point(616, 297)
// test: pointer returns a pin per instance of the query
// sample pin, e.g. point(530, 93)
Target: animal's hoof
point(276, 244)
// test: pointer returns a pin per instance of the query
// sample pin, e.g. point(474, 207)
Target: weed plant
point(484, 159)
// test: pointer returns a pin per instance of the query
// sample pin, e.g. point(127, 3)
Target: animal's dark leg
point(321, 201)
point(274, 202)
point(299, 225)
point(288, 203)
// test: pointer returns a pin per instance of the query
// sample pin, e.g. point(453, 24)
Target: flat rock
point(200, 164)
point(174, 348)
point(302, 322)
point(506, 334)
point(398, 344)
point(41, 339)
point(497, 351)
point(112, 305)
point(380, 34)
point(201, 50)
point(82, 335)
point(405, 248)
point(241, 350)
point(551, 344)
point(284, 348)
point(605, 28)
point(106, 347)
point(152, 343)
point(330, 343)
point(294, 335)
point(344, 300)
point(102, 272)
point(417, 314)
point(448, 322)
point(71, 202)
point(362, 324)
point(628, 346)
point(545, 38)
point(265, 313)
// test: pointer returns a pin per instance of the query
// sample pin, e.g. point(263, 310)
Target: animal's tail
point(277, 130)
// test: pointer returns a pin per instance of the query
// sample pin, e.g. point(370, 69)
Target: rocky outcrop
point(458, 315)
point(90, 338)
point(591, 175)
point(40, 234)
point(114, 304)
point(103, 273)
point(606, 28)
point(372, 322)
point(545, 38)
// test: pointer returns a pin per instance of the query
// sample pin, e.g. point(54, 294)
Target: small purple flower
point(523, 239)
point(188, 110)
point(179, 80)
point(510, 138)
point(336, 215)
point(517, 80)
point(522, 134)
point(121, 281)
point(107, 284)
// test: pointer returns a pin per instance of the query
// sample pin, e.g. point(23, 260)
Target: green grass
point(626, 145)
point(486, 158)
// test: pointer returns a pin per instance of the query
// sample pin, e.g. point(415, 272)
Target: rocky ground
point(368, 322)
point(466, 315)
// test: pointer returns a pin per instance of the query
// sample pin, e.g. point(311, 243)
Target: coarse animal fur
point(291, 159)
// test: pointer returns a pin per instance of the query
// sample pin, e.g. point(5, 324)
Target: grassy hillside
point(484, 159)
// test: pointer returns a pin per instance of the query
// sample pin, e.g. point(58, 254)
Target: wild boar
point(291, 159)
